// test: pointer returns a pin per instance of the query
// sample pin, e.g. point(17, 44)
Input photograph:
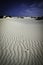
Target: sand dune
point(21, 43)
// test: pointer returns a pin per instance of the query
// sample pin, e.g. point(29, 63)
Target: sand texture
point(21, 42)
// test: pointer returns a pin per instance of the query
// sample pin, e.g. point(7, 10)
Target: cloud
point(27, 8)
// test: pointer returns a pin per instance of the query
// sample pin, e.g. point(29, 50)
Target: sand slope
point(21, 43)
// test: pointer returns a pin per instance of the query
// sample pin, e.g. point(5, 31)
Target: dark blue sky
point(21, 7)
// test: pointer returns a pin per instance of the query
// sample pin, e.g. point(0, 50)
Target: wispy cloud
point(24, 9)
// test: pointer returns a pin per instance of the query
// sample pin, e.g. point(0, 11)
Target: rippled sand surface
point(21, 42)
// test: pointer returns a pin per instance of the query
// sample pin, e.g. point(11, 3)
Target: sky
point(21, 7)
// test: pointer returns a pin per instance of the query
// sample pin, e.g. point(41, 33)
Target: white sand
point(21, 42)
